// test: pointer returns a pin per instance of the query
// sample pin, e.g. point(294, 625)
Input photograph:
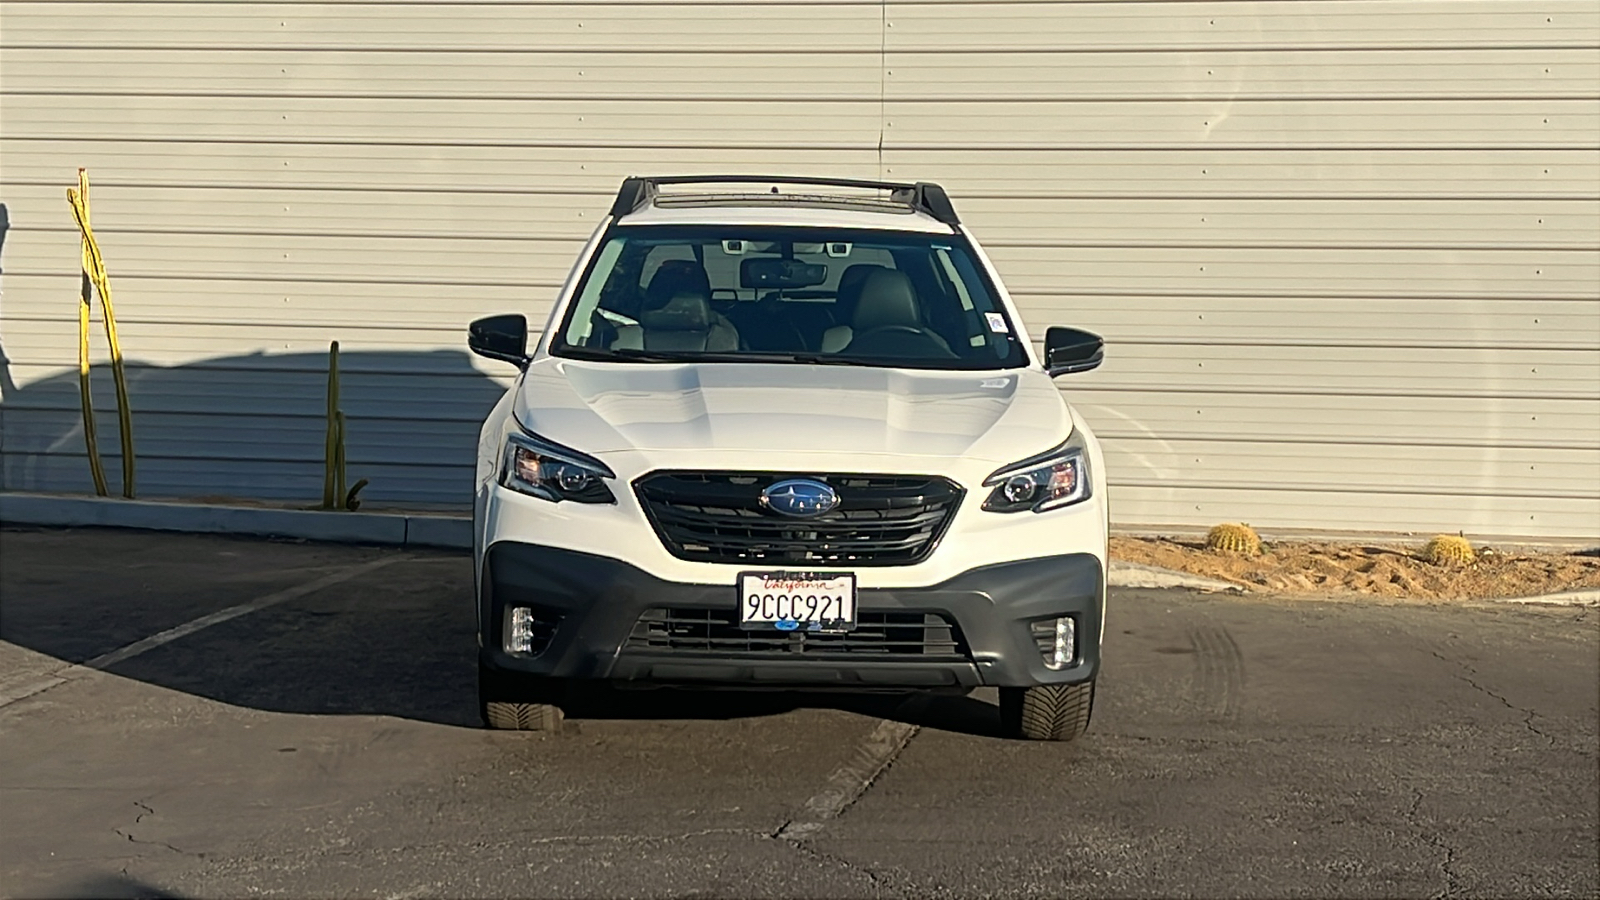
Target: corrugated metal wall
point(1346, 252)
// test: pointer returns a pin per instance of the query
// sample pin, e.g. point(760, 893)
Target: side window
point(953, 278)
point(587, 307)
point(986, 319)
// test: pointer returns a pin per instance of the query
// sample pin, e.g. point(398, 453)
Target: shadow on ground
point(109, 886)
point(944, 712)
point(399, 642)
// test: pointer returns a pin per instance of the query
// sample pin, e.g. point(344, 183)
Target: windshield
point(754, 294)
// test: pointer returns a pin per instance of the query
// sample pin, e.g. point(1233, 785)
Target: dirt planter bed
point(1387, 570)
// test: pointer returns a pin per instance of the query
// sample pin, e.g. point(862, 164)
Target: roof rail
point(922, 196)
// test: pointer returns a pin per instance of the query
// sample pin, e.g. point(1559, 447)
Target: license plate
point(797, 601)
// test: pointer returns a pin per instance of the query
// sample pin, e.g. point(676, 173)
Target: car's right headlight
point(539, 468)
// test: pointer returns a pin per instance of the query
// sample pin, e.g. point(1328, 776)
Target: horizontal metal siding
point(1540, 223)
point(550, 172)
point(731, 74)
point(986, 27)
point(799, 121)
point(1266, 74)
point(216, 116)
point(1345, 252)
point(1178, 271)
point(1340, 508)
point(618, 27)
point(1313, 318)
point(737, 73)
point(1149, 365)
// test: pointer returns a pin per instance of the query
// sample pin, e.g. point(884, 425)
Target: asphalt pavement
point(194, 716)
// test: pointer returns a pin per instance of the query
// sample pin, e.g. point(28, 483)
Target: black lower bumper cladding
point(601, 618)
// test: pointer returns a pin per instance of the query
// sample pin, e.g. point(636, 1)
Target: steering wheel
point(894, 329)
point(901, 340)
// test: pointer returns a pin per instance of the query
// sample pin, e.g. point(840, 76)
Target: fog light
point(519, 637)
point(1057, 640)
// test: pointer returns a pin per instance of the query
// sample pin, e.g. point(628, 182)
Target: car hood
point(599, 407)
point(766, 408)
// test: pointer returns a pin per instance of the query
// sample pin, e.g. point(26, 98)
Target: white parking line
point(31, 684)
point(851, 780)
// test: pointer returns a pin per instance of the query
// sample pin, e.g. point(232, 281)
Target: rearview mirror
point(1069, 350)
point(500, 337)
point(771, 272)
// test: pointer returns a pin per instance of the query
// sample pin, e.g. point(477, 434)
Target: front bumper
point(595, 602)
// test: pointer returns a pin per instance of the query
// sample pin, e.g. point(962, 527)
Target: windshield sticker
point(997, 323)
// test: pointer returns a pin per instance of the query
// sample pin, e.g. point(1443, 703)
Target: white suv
point(788, 434)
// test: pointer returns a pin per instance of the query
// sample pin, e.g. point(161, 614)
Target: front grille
point(924, 636)
point(881, 520)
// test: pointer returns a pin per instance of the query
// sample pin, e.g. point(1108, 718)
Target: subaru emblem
point(800, 497)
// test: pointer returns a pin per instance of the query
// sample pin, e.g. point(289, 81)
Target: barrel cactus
point(1231, 537)
point(1449, 550)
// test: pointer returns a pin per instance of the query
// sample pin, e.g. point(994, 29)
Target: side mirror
point(500, 337)
point(1068, 350)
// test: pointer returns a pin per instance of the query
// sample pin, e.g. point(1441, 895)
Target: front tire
point(510, 703)
point(1048, 712)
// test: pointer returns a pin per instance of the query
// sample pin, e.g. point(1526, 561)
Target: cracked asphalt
point(324, 743)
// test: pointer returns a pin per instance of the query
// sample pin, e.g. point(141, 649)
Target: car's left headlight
point(1048, 481)
point(552, 472)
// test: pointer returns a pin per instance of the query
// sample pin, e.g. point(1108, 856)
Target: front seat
point(677, 314)
point(854, 278)
point(687, 322)
point(888, 321)
point(674, 277)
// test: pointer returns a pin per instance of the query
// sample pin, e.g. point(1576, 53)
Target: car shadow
point(108, 886)
point(943, 712)
point(940, 712)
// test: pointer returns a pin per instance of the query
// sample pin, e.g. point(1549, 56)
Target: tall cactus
point(334, 493)
point(333, 448)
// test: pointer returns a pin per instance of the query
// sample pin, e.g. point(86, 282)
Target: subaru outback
point(788, 434)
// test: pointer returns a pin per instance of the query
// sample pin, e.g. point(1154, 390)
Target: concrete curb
point(1134, 575)
point(387, 529)
point(1565, 598)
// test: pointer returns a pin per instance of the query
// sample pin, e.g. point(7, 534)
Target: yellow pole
point(97, 271)
point(85, 299)
point(90, 439)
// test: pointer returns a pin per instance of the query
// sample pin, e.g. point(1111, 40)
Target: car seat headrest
point(850, 284)
point(675, 277)
point(887, 298)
